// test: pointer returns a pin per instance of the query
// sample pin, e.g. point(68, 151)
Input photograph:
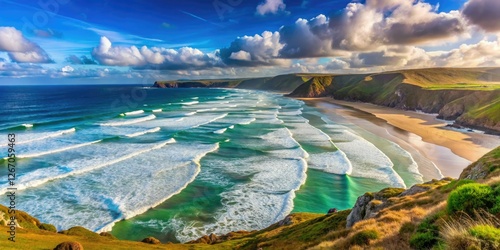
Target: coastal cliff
point(470, 96)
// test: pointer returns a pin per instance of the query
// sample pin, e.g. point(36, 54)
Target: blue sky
point(76, 40)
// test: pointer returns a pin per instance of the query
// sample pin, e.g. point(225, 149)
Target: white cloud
point(241, 55)
point(370, 26)
point(154, 57)
point(260, 49)
point(270, 7)
point(67, 69)
point(483, 54)
point(21, 49)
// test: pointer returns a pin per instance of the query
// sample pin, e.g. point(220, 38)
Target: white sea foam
point(267, 198)
point(295, 112)
point(153, 130)
point(246, 122)
point(220, 131)
point(195, 98)
point(98, 199)
point(367, 160)
point(157, 110)
point(26, 138)
point(231, 127)
point(137, 112)
point(220, 97)
point(53, 151)
point(183, 123)
point(331, 162)
point(27, 125)
point(190, 113)
point(99, 156)
point(129, 121)
point(190, 103)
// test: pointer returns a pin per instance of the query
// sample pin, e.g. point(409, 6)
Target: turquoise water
point(177, 164)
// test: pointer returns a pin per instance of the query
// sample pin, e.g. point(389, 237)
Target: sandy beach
point(422, 134)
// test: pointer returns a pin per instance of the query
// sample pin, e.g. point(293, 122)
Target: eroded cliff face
point(469, 108)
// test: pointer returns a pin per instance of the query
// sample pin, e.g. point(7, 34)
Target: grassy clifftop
point(470, 96)
point(281, 83)
point(440, 214)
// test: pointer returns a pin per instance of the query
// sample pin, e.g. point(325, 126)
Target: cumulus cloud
point(154, 57)
point(370, 26)
point(241, 55)
point(392, 57)
point(483, 54)
point(308, 38)
point(270, 7)
point(255, 50)
point(483, 13)
point(19, 48)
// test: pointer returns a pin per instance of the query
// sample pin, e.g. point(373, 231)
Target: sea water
point(177, 164)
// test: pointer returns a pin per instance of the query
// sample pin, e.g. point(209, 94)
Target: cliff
point(281, 83)
point(469, 96)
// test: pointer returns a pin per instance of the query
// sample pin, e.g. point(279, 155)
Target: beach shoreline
point(419, 133)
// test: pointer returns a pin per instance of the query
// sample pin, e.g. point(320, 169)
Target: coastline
point(421, 134)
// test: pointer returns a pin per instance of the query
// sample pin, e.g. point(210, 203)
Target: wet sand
point(423, 135)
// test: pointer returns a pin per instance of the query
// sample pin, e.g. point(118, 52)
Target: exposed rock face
point(107, 235)
point(332, 210)
point(286, 221)
point(368, 205)
point(207, 239)
point(151, 240)
point(212, 238)
point(488, 165)
point(363, 209)
point(69, 245)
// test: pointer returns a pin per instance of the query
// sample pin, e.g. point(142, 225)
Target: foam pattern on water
point(122, 190)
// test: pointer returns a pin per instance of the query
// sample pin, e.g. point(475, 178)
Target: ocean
point(177, 164)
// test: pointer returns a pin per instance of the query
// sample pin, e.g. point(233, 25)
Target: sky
point(120, 41)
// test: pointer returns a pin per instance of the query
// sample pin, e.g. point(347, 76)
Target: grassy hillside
point(281, 83)
point(469, 96)
point(440, 214)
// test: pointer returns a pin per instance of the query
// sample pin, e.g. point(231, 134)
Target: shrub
point(488, 234)
point(496, 206)
point(423, 240)
point(470, 197)
point(427, 235)
point(364, 237)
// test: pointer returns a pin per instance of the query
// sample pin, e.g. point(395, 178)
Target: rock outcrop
point(69, 245)
point(369, 204)
point(486, 167)
point(151, 240)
